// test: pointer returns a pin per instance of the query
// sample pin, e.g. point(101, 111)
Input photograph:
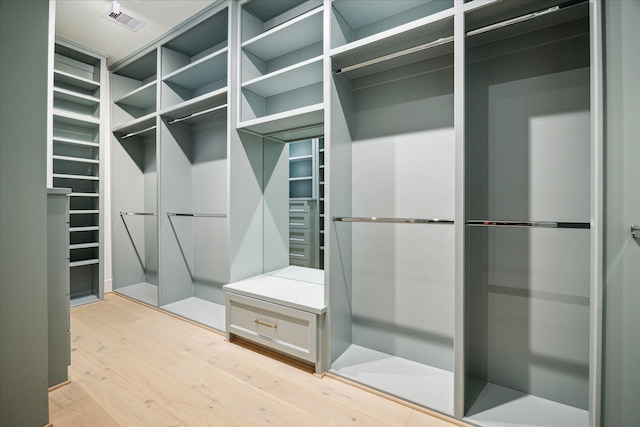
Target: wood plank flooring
point(134, 366)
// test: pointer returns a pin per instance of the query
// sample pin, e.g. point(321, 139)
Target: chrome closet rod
point(528, 224)
point(205, 215)
point(199, 113)
point(394, 55)
point(392, 220)
point(522, 18)
point(137, 213)
point(129, 135)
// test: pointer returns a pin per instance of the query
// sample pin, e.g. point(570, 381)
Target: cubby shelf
point(288, 79)
point(210, 69)
point(71, 141)
point(75, 97)
point(81, 120)
point(142, 97)
point(282, 124)
point(65, 78)
point(299, 32)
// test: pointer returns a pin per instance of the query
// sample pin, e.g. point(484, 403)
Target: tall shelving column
point(76, 161)
point(392, 178)
point(134, 181)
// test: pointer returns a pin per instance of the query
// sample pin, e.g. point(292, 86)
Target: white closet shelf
point(211, 68)
point(73, 80)
point(519, 408)
point(288, 126)
point(84, 211)
point(81, 229)
point(529, 17)
point(409, 380)
point(82, 120)
point(203, 102)
point(84, 245)
point(478, 4)
point(137, 125)
point(71, 141)
point(84, 195)
point(81, 177)
point(78, 98)
point(293, 35)
point(300, 178)
point(84, 262)
point(75, 159)
point(294, 77)
point(142, 97)
point(430, 28)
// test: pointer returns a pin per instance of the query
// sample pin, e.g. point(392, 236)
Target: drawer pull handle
point(268, 325)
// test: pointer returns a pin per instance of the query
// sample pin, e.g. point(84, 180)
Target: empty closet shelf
point(203, 215)
point(85, 177)
point(531, 224)
point(75, 159)
point(84, 262)
point(84, 245)
point(79, 229)
point(423, 47)
point(84, 195)
point(392, 220)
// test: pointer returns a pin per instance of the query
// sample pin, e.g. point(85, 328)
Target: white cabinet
point(282, 310)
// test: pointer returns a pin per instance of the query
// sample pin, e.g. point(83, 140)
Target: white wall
point(24, 28)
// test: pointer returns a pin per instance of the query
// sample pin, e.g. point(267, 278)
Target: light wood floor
point(132, 365)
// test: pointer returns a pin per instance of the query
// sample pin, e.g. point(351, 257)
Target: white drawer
point(281, 328)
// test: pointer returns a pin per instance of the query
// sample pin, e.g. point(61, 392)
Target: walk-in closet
point(405, 195)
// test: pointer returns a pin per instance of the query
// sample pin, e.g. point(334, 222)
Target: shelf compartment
point(134, 87)
point(297, 40)
point(204, 107)
point(297, 76)
point(415, 382)
point(65, 100)
point(80, 177)
point(285, 91)
point(74, 142)
point(261, 17)
point(288, 126)
point(424, 39)
point(204, 76)
point(84, 262)
point(74, 118)
point(484, 25)
point(357, 22)
point(62, 79)
point(78, 67)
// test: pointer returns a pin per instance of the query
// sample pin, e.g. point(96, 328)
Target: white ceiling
point(81, 21)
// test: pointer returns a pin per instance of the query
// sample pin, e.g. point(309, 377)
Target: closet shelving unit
point(194, 263)
point(134, 89)
point(392, 177)
point(76, 161)
point(170, 237)
point(303, 203)
point(528, 217)
point(282, 68)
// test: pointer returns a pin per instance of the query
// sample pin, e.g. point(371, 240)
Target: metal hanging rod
point(129, 135)
point(204, 215)
point(527, 224)
point(394, 55)
point(522, 18)
point(199, 113)
point(392, 220)
point(137, 213)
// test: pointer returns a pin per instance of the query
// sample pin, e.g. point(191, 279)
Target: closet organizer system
point(461, 141)
point(75, 150)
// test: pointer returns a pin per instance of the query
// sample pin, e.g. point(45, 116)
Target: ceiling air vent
point(115, 15)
